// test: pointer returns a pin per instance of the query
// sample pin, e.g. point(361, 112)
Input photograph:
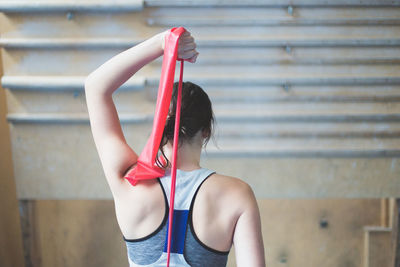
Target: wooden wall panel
point(72, 233)
point(378, 247)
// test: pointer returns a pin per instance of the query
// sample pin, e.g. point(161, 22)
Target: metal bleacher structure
point(306, 93)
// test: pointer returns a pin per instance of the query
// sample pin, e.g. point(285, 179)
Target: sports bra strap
point(186, 185)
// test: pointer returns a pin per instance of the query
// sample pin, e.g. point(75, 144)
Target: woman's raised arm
point(115, 154)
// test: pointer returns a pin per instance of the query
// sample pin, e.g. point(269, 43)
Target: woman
point(222, 211)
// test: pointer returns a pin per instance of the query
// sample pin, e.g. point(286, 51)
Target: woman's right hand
point(186, 47)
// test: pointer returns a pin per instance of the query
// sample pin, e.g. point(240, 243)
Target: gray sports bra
point(187, 249)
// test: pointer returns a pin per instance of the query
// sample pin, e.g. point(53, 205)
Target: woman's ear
point(204, 133)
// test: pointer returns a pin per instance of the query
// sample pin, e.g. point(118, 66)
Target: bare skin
point(225, 211)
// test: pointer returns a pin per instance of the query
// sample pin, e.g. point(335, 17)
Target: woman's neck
point(188, 156)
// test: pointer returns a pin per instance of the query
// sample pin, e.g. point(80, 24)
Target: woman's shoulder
point(230, 182)
point(231, 189)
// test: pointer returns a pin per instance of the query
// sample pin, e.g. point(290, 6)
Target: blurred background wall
point(11, 253)
point(307, 99)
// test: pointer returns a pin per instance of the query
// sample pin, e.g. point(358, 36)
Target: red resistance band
point(146, 167)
